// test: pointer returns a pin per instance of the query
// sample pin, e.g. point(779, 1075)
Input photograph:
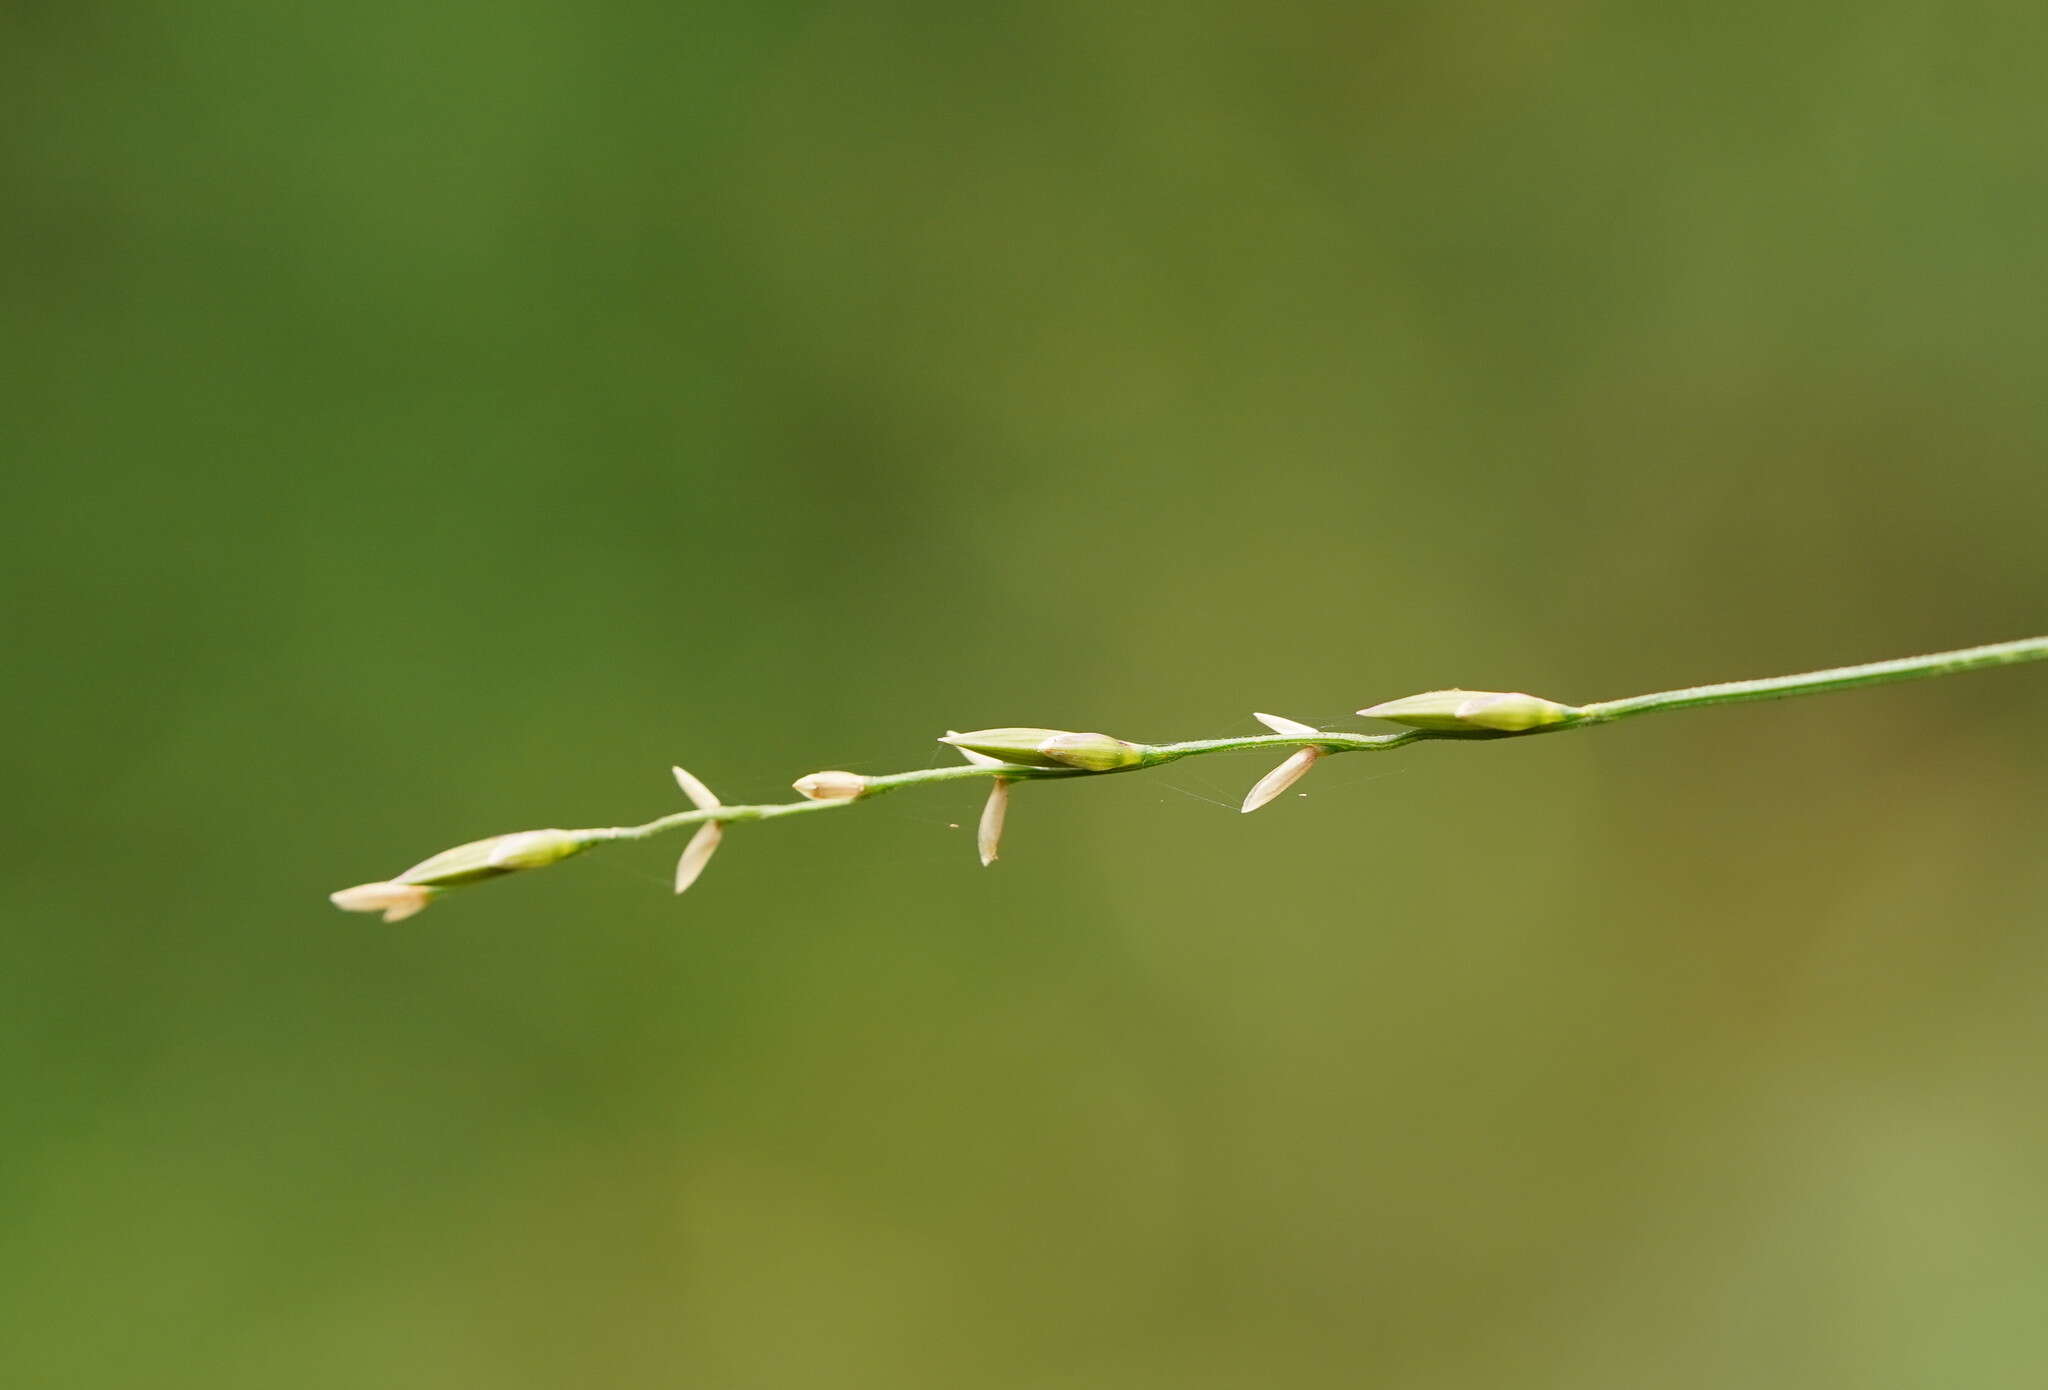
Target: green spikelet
point(1050, 748)
point(501, 854)
point(1502, 712)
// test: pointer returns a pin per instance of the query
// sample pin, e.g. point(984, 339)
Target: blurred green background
point(431, 420)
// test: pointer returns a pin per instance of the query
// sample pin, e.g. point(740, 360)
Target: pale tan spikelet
point(397, 901)
point(989, 837)
point(697, 853)
point(1280, 778)
point(701, 796)
point(704, 843)
point(832, 786)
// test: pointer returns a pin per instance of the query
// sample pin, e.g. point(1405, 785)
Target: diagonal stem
point(1905, 668)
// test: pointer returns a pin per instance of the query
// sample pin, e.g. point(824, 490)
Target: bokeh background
point(434, 419)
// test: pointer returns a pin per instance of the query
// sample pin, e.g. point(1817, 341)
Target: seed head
point(1503, 712)
point(1050, 748)
point(500, 854)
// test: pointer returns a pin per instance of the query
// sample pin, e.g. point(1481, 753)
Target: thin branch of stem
point(1905, 668)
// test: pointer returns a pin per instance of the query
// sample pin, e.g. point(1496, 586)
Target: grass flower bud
point(1093, 752)
point(1049, 748)
point(1019, 747)
point(501, 854)
point(397, 901)
point(1508, 712)
point(831, 786)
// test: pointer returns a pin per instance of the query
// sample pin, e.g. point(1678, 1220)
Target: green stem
point(1905, 668)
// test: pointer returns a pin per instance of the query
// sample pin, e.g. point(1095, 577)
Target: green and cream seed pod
point(1049, 748)
point(1508, 712)
point(501, 854)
